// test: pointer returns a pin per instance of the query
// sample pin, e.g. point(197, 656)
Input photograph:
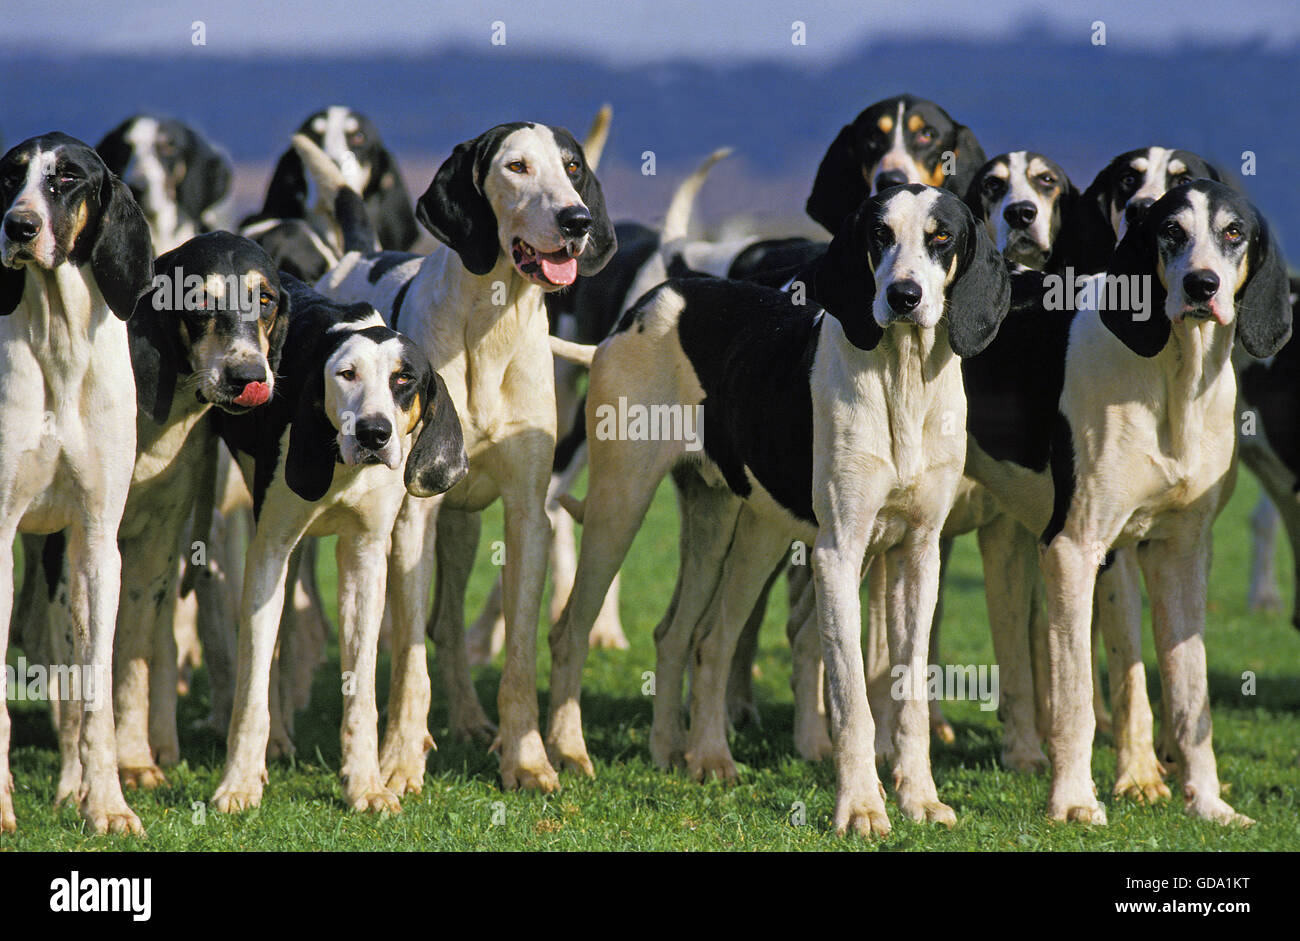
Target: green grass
point(632, 805)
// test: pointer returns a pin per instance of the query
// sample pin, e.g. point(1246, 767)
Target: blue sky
point(635, 30)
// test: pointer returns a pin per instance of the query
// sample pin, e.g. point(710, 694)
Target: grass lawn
point(631, 805)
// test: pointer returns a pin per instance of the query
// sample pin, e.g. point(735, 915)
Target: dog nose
point(574, 221)
point(1020, 215)
point(903, 296)
point(890, 178)
point(373, 433)
point(237, 377)
point(22, 225)
point(1135, 208)
point(1200, 285)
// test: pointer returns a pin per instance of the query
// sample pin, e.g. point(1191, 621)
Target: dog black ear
point(122, 256)
point(1264, 303)
point(113, 149)
point(313, 441)
point(437, 461)
point(387, 191)
point(455, 210)
point(1145, 331)
point(1087, 238)
point(968, 160)
point(1066, 207)
point(286, 194)
point(156, 357)
point(601, 240)
point(980, 293)
point(206, 181)
point(842, 283)
point(12, 281)
point(839, 188)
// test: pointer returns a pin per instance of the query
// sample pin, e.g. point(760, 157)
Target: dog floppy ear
point(980, 293)
point(1067, 206)
point(1087, 238)
point(394, 218)
point(1145, 332)
point(969, 158)
point(286, 194)
point(842, 283)
point(206, 181)
point(12, 281)
point(279, 329)
point(437, 461)
point(313, 446)
point(1263, 303)
point(455, 210)
point(156, 357)
point(122, 256)
point(839, 187)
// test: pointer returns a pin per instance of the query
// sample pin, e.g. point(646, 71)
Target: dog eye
point(348, 374)
point(572, 167)
point(941, 237)
point(1233, 233)
point(1129, 180)
point(1172, 231)
point(357, 139)
point(926, 134)
point(517, 166)
point(1047, 179)
point(883, 232)
point(402, 379)
point(992, 185)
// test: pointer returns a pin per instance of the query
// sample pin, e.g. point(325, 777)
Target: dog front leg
point(860, 799)
point(8, 821)
point(361, 567)
point(265, 572)
point(411, 556)
point(913, 586)
point(811, 740)
point(95, 567)
point(1176, 574)
point(1138, 775)
point(1070, 568)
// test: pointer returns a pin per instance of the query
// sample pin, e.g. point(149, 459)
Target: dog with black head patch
point(75, 256)
point(360, 421)
point(521, 214)
point(175, 174)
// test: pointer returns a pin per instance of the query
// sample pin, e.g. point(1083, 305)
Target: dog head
point(367, 390)
point(1208, 255)
point(172, 171)
point(899, 140)
point(1124, 189)
point(59, 204)
point(915, 254)
point(1022, 198)
point(213, 324)
point(526, 190)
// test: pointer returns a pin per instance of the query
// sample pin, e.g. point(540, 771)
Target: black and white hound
point(360, 421)
point(1118, 195)
point(208, 334)
point(1026, 200)
point(1139, 451)
point(903, 139)
point(844, 431)
point(173, 172)
point(74, 258)
point(293, 225)
point(521, 215)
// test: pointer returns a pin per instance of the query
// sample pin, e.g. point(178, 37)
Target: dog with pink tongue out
point(520, 214)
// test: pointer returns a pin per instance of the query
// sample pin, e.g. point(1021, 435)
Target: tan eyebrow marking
point(915, 122)
point(886, 123)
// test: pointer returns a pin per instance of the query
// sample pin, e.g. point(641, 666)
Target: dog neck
point(1194, 364)
point(60, 311)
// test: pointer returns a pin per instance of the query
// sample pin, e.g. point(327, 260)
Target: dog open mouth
point(554, 268)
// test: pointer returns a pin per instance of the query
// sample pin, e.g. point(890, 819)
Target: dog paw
point(1142, 780)
point(279, 745)
point(813, 743)
point(942, 729)
point(239, 792)
point(1025, 759)
point(1076, 805)
point(570, 754)
point(668, 749)
point(145, 778)
point(705, 763)
point(402, 763)
point(743, 713)
point(862, 812)
point(8, 822)
point(469, 723)
point(371, 797)
point(109, 814)
point(606, 634)
point(919, 801)
point(524, 764)
point(167, 754)
point(1217, 809)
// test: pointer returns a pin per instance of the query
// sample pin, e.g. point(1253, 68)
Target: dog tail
point(578, 353)
point(594, 146)
point(345, 203)
point(678, 219)
point(572, 505)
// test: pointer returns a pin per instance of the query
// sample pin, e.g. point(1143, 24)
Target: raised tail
point(678, 219)
point(594, 146)
point(345, 204)
point(578, 353)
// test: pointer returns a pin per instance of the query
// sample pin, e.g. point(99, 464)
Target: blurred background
point(683, 78)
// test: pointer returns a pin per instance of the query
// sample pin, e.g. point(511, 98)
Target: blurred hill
point(1075, 102)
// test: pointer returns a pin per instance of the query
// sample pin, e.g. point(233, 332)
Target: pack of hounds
point(303, 373)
